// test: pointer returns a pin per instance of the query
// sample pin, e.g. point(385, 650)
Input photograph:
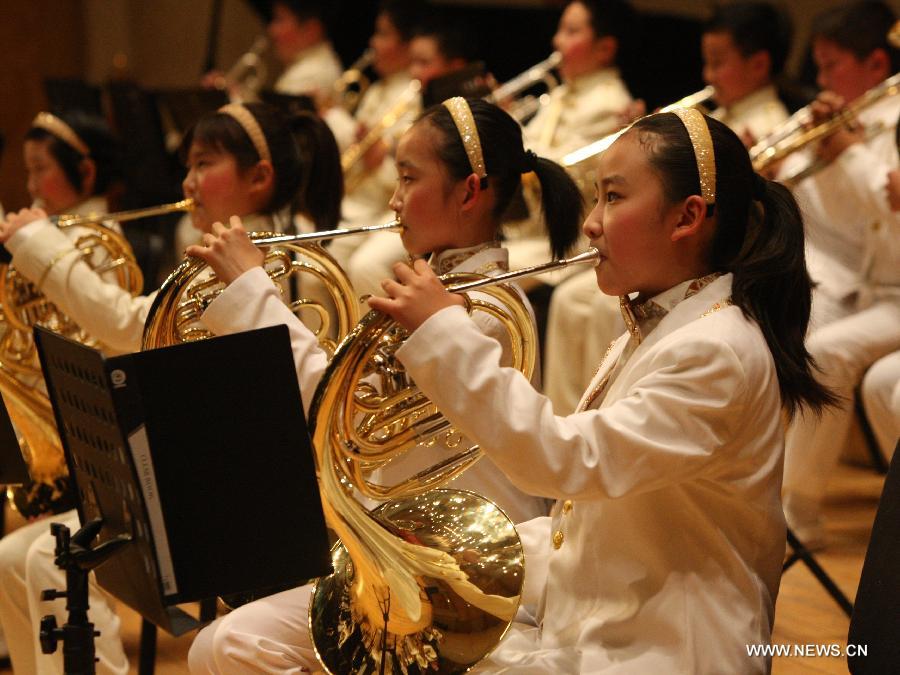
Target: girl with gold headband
point(663, 553)
point(459, 166)
point(247, 160)
point(71, 163)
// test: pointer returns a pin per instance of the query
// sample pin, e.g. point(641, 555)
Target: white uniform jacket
point(48, 258)
point(313, 72)
point(252, 301)
point(853, 237)
point(758, 114)
point(664, 552)
point(579, 112)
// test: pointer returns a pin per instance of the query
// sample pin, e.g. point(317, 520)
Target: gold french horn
point(21, 382)
point(431, 580)
point(174, 316)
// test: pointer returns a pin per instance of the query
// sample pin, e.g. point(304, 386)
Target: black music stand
point(200, 453)
point(13, 469)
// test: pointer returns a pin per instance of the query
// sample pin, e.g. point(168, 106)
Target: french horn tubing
point(431, 579)
point(174, 316)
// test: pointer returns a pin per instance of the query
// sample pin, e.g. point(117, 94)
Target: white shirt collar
point(480, 259)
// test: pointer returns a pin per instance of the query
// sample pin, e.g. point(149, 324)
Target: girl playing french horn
point(664, 550)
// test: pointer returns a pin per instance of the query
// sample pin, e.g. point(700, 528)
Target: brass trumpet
point(525, 79)
point(540, 72)
point(175, 314)
point(248, 74)
point(352, 83)
point(797, 133)
point(408, 101)
point(401, 593)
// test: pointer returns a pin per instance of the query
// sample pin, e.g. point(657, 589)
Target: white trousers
point(881, 397)
point(270, 635)
point(843, 348)
point(582, 323)
point(26, 568)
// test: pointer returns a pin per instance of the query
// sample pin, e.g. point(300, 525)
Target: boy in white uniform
point(853, 247)
point(299, 34)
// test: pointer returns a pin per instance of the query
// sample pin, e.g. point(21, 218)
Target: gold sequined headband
point(250, 126)
point(62, 131)
point(698, 131)
point(468, 132)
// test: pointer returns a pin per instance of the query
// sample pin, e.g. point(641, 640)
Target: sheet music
point(140, 453)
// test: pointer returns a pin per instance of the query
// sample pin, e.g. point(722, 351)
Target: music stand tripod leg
point(74, 555)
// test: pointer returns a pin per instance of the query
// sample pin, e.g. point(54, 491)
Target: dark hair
point(505, 160)
point(321, 186)
point(289, 155)
point(453, 42)
point(758, 238)
point(755, 27)
point(324, 11)
point(612, 18)
point(104, 150)
point(405, 15)
point(860, 28)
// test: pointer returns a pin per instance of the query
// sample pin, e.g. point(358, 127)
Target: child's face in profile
point(582, 52)
point(733, 75)
point(422, 196)
point(218, 188)
point(48, 184)
point(627, 224)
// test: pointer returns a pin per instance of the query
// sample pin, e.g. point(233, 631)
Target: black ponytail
point(505, 160)
point(758, 238)
point(321, 186)
point(562, 206)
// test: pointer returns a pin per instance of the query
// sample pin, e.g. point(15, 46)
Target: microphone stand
point(77, 558)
